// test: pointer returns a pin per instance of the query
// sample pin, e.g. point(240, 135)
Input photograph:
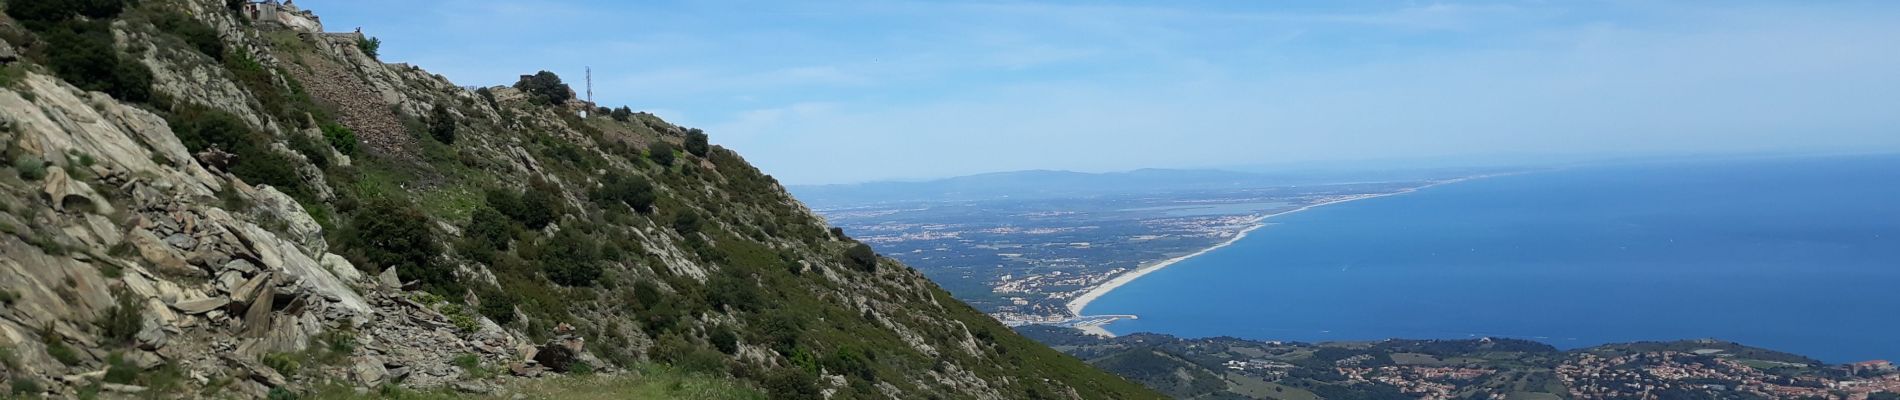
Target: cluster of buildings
point(1426, 382)
point(1590, 376)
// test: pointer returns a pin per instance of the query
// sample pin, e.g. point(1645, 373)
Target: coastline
point(1081, 302)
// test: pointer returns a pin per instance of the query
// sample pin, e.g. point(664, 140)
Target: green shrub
point(861, 256)
point(193, 32)
point(696, 142)
point(442, 124)
point(394, 233)
point(312, 149)
point(489, 228)
point(736, 293)
point(31, 168)
point(63, 353)
point(119, 371)
point(622, 114)
point(545, 88)
point(341, 138)
point(122, 322)
point(570, 258)
point(62, 10)
point(283, 363)
point(370, 46)
point(24, 386)
point(723, 339)
point(265, 166)
point(850, 362)
point(792, 383)
point(535, 208)
point(201, 128)
point(281, 393)
point(633, 190)
point(498, 306)
point(687, 223)
point(662, 153)
point(489, 96)
point(82, 53)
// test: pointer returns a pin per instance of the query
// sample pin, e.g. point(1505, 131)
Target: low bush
point(201, 128)
point(792, 383)
point(632, 190)
point(533, 208)
point(31, 168)
point(696, 142)
point(861, 256)
point(312, 149)
point(723, 339)
point(571, 258)
point(442, 124)
point(370, 46)
point(341, 138)
point(122, 322)
point(498, 306)
point(82, 53)
point(392, 233)
point(193, 32)
point(661, 153)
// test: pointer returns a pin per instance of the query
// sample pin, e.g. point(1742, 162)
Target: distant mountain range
point(1041, 184)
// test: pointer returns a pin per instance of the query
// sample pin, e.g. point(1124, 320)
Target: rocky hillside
point(197, 203)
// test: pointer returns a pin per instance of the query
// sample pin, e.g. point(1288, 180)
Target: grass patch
point(648, 381)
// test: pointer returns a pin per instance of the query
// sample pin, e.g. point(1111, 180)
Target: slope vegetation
point(199, 203)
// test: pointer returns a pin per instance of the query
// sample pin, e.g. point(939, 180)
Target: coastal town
point(1482, 368)
point(1038, 262)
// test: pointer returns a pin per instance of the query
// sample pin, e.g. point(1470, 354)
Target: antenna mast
point(590, 86)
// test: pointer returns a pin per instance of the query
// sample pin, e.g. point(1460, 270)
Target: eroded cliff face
point(286, 213)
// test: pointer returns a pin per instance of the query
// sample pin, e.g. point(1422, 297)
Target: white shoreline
point(1077, 304)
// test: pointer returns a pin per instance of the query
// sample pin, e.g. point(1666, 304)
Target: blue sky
point(845, 91)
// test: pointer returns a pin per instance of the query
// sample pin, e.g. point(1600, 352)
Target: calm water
point(1799, 255)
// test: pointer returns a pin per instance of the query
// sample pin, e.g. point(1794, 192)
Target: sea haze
point(1799, 255)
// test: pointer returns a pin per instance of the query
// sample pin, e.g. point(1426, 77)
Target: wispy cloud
point(918, 89)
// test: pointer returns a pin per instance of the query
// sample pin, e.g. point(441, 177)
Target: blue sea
point(1792, 254)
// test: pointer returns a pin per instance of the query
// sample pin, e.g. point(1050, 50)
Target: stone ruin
point(285, 13)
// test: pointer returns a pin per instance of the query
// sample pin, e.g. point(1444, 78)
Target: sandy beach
point(1081, 302)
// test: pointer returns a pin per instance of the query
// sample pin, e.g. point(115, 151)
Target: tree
point(696, 142)
point(534, 208)
point(862, 256)
point(661, 153)
point(490, 228)
point(723, 339)
point(792, 383)
point(570, 258)
point(442, 124)
point(634, 191)
point(391, 233)
point(622, 114)
point(370, 46)
point(545, 88)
